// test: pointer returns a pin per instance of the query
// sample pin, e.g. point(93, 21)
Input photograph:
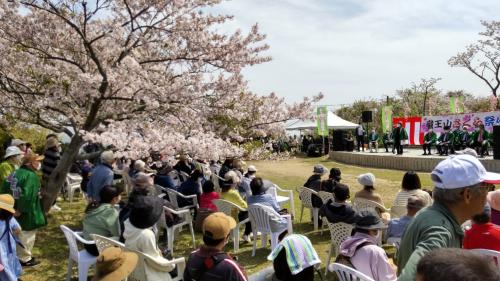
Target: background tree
point(112, 69)
point(483, 58)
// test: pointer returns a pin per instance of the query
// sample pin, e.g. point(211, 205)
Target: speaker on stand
point(366, 116)
point(496, 142)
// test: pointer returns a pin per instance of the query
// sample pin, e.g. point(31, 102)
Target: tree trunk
point(56, 180)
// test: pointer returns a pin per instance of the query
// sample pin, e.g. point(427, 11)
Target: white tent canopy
point(333, 121)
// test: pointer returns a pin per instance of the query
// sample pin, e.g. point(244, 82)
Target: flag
point(457, 104)
point(387, 118)
point(321, 119)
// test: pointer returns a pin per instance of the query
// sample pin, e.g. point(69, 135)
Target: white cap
point(16, 142)
point(11, 151)
point(252, 168)
point(367, 179)
point(459, 171)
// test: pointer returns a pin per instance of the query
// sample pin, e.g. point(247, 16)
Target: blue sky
point(354, 49)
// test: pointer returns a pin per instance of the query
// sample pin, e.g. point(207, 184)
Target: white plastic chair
point(346, 273)
point(227, 207)
point(172, 196)
point(493, 255)
point(305, 195)
point(83, 259)
point(103, 243)
point(275, 190)
point(398, 211)
point(339, 232)
point(184, 176)
point(325, 197)
point(186, 215)
point(361, 204)
point(260, 217)
point(154, 264)
point(73, 183)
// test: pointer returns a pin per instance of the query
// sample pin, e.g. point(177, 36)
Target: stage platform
point(412, 159)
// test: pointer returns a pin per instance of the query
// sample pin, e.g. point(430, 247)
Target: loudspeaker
point(496, 142)
point(366, 116)
point(338, 140)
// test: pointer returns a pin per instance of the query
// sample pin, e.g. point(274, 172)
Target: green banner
point(387, 118)
point(457, 104)
point(322, 120)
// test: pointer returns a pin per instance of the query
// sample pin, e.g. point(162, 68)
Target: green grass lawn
point(51, 247)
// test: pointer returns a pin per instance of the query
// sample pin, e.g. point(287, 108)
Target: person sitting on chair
point(465, 138)
point(339, 210)
point(397, 226)
point(443, 142)
point(387, 140)
point(430, 139)
point(373, 138)
point(481, 141)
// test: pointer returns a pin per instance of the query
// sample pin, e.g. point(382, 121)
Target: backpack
point(345, 260)
point(208, 264)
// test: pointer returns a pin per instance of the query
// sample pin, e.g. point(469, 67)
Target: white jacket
point(144, 241)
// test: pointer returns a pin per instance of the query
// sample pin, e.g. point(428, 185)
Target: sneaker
point(31, 262)
point(55, 208)
point(247, 239)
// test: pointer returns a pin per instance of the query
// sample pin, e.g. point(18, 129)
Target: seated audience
point(410, 186)
point(459, 193)
point(481, 140)
point(494, 201)
point(259, 196)
point(163, 178)
point(244, 187)
point(456, 264)
point(101, 176)
point(314, 183)
point(339, 210)
point(183, 165)
point(362, 252)
point(115, 264)
point(140, 236)
point(334, 178)
point(397, 226)
point(192, 186)
point(482, 234)
point(10, 267)
point(229, 193)
point(221, 266)
point(139, 167)
point(102, 218)
point(208, 196)
point(368, 192)
point(301, 267)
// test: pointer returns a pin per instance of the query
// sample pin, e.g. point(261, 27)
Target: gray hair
point(453, 196)
point(107, 157)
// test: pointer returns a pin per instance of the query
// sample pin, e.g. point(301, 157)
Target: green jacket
point(6, 169)
point(402, 133)
point(432, 137)
point(103, 221)
point(24, 185)
point(486, 136)
point(434, 227)
point(373, 137)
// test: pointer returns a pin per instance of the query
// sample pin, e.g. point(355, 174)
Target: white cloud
point(351, 49)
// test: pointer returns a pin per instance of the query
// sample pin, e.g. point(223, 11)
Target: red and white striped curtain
point(412, 126)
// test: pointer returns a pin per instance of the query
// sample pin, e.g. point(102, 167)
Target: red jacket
point(483, 236)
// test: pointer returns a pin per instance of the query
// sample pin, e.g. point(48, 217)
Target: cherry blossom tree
point(483, 58)
point(137, 74)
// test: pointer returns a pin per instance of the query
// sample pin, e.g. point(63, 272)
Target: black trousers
point(480, 148)
point(398, 147)
point(442, 148)
point(386, 145)
point(427, 147)
point(361, 142)
point(248, 225)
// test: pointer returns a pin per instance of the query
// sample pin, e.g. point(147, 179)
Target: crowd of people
point(429, 226)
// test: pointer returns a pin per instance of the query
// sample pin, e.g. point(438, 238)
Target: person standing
point(399, 134)
point(430, 139)
point(13, 157)
point(460, 187)
point(52, 155)
point(24, 185)
point(9, 228)
point(360, 137)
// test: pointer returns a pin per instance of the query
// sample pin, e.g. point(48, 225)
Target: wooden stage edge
point(406, 162)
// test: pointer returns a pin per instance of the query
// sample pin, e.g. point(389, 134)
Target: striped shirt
point(50, 160)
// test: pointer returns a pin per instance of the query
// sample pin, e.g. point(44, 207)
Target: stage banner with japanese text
point(471, 120)
point(412, 126)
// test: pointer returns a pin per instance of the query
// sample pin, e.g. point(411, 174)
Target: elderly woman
point(231, 194)
point(368, 192)
point(314, 183)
